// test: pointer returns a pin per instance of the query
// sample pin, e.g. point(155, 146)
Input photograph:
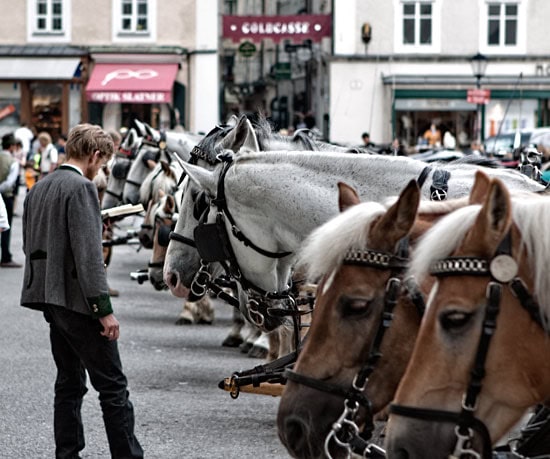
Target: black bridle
point(502, 270)
point(345, 430)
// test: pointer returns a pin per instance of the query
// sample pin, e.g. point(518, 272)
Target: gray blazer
point(62, 230)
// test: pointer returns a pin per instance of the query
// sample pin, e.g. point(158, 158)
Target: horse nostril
point(173, 280)
point(296, 434)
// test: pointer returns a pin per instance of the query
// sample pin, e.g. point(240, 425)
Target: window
point(49, 16)
point(134, 16)
point(417, 26)
point(417, 23)
point(502, 24)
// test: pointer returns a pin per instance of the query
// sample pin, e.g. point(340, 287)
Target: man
point(366, 140)
point(9, 173)
point(65, 278)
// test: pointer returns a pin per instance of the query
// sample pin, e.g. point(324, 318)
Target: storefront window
point(46, 108)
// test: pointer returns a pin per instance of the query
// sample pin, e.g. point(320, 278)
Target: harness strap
point(185, 240)
point(439, 187)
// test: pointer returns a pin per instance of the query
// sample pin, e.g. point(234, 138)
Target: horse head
point(480, 359)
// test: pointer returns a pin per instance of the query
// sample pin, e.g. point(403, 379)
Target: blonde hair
point(44, 138)
point(85, 139)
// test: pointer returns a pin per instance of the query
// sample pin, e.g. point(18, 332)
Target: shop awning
point(38, 68)
point(131, 83)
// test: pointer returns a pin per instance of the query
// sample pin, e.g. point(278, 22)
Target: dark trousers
point(78, 347)
point(6, 235)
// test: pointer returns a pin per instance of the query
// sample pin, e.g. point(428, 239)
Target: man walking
point(65, 278)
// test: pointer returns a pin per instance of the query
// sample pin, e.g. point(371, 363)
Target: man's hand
point(111, 327)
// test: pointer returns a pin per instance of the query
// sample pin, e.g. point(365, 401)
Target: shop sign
point(478, 96)
point(7, 110)
point(282, 71)
point(297, 28)
point(143, 97)
point(247, 49)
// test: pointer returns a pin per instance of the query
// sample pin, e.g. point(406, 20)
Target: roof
point(42, 50)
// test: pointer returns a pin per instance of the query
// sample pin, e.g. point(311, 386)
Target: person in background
point(60, 147)
point(26, 135)
point(449, 140)
point(48, 154)
point(397, 147)
point(21, 157)
point(366, 140)
point(433, 136)
point(4, 225)
point(9, 172)
point(65, 279)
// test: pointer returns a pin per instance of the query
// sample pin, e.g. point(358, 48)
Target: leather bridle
point(345, 431)
point(502, 270)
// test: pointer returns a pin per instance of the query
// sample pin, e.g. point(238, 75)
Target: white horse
point(119, 169)
point(276, 199)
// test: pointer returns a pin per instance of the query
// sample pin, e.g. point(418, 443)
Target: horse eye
point(454, 320)
point(355, 306)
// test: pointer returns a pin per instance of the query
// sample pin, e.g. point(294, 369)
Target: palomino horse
point(481, 356)
point(267, 202)
point(360, 255)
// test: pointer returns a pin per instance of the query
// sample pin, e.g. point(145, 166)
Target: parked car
point(503, 145)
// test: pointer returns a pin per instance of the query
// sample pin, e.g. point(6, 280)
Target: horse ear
point(165, 166)
point(493, 221)
point(480, 189)
point(399, 219)
point(169, 204)
point(203, 178)
point(347, 196)
point(241, 136)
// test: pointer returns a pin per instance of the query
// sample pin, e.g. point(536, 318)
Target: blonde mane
point(325, 248)
point(531, 218)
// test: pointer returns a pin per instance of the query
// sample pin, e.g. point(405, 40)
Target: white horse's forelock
point(530, 214)
point(326, 247)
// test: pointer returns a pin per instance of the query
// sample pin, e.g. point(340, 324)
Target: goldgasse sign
point(297, 28)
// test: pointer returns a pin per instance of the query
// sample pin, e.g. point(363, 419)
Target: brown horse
point(348, 312)
point(481, 358)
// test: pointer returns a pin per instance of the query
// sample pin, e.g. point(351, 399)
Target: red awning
point(296, 28)
point(132, 83)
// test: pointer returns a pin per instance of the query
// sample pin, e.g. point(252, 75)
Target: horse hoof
point(204, 322)
point(232, 341)
point(245, 347)
point(184, 321)
point(257, 352)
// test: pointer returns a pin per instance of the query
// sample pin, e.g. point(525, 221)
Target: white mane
point(531, 217)
point(325, 248)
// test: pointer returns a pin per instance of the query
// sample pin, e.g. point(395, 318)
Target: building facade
point(416, 68)
point(67, 61)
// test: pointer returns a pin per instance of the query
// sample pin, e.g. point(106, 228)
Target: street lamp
point(479, 65)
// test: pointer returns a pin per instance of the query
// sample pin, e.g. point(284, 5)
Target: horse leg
point(260, 348)
point(234, 338)
point(187, 315)
point(251, 334)
point(204, 311)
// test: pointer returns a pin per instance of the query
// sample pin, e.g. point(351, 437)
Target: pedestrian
point(366, 140)
point(21, 158)
point(48, 154)
point(4, 225)
point(66, 280)
point(433, 136)
point(9, 172)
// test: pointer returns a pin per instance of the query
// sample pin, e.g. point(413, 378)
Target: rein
point(502, 269)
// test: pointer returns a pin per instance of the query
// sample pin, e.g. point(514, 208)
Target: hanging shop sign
point(247, 49)
point(296, 28)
